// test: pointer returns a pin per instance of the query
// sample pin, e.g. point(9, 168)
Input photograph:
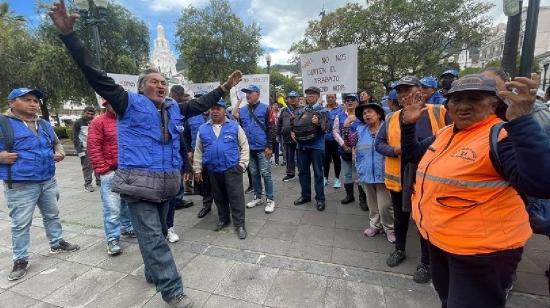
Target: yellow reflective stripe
point(437, 114)
point(393, 178)
point(463, 183)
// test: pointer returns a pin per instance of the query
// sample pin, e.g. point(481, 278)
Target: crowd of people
point(424, 150)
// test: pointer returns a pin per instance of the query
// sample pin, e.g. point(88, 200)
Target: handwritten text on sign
point(261, 80)
point(332, 70)
point(193, 88)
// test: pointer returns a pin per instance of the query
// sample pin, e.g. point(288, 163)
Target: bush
point(63, 132)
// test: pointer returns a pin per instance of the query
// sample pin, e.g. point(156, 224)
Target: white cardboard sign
point(261, 80)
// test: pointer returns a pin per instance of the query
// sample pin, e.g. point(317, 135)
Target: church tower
point(162, 58)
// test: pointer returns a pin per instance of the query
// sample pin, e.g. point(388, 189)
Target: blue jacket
point(437, 99)
point(256, 135)
point(333, 113)
point(368, 162)
point(319, 142)
point(220, 153)
point(194, 123)
point(35, 152)
point(140, 143)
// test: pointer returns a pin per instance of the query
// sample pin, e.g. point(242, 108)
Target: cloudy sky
point(282, 21)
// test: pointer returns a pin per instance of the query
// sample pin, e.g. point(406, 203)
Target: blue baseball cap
point(351, 95)
point(450, 72)
point(393, 95)
point(221, 103)
point(429, 82)
point(393, 84)
point(15, 93)
point(251, 88)
point(200, 93)
point(293, 94)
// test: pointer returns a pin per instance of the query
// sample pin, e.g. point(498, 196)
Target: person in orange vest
point(472, 215)
point(388, 143)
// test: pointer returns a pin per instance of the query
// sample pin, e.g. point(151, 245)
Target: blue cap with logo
point(450, 72)
point(15, 93)
point(221, 103)
point(429, 82)
point(200, 93)
point(293, 94)
point(251, 88)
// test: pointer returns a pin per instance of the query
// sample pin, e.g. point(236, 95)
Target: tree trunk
point(44, 109)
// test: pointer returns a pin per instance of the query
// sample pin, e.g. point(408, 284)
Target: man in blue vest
point(222, 155)
point(311, 152)
point(429, 91)
point(260, 130)
point(29, 150)
point(190, 131)
point(149, 162)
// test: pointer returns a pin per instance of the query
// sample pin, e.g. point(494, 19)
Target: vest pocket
point(458, 217)
point(26, 164)
point(136, 155)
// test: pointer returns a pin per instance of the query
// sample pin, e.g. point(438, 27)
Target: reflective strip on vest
point(392, 167)
point(463, 183)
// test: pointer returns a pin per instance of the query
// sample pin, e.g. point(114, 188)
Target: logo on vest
point(466, 154)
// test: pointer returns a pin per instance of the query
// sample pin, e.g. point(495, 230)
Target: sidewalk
point(295, 257)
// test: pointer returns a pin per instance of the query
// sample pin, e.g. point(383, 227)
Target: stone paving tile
point(37, 262)
point(200, 235)
point(257, 213)
point(516, 300)
point(128, 292)
point(92, 255)
point(296, 289)
point(51, 279)
point(204, 272)
point(532, 283)
point(84, 289)
point(341, 293)
point(322, 219)
point(286, 215)
point(248, 282)
point(310, 252)
point(354, 239)
point(370, 260)
point(352, 221)
point(43, 305)
point(314, 235)
point(398, 298)
point(254, 226)
point(278, 230)
point(216, 301)
point(12, 299)
point(271, 246)
point(84, 241)
point(128, 261)
point(233, 254)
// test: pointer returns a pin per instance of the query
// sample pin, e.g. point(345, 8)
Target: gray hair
point(142, 77)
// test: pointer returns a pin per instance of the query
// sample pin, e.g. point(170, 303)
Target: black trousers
point(474, 280)
point(332, 154)
point(205, 190)
point(290, 158)
point(228, 191)
point(401, 227)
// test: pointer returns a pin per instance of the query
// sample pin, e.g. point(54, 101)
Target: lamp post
point(268, 62)
point(545, 71)
point(93, 12)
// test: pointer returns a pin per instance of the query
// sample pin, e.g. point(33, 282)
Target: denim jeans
point(149, 221)
point(306, 158)
point(116, 217)
point(348, 167)
point(261, 168)
point(22, 199)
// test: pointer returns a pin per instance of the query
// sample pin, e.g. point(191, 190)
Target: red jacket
point(102, 144)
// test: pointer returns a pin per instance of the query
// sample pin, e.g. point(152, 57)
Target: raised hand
point(521, 96)
point(232, 80)
point(413, 108)
point(62, 19)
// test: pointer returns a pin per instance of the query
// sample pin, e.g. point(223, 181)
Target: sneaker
point(390, 235)
point(180, 301)
point(269, 206)
point(288, 178)
point(129, 233)
point(370, 232)
point(337, 184)
point(19, 270)
point(113, 248)
point(254, 202)
point(89, 188)
point(325, 181)
point(172, 236)
point(396, 258)
point(64, 246)
point(422, 274)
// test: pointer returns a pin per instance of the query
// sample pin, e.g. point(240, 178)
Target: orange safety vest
point(461, 203)
point(392, 179)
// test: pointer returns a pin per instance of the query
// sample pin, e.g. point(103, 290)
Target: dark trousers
point(228, 191)
point(306, 159)
point(275, 148)
point(332, 154)
point(473, 280)
point(149, 222)
point(401, 227)
point(88, 171)
point(249, 175)
point(290, 152)
point(205, 190)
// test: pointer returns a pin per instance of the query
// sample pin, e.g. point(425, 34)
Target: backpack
point(304, 130)
point(538, 209)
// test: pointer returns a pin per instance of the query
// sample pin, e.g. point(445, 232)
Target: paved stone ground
point(295, 257)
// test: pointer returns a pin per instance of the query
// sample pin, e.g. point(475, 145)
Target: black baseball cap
point(408, 80)
point(474, 82)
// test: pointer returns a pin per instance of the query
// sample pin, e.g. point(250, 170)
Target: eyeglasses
point(350, 100)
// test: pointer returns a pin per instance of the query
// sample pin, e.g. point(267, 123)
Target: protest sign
point(193, 88)
point(261, 80)
point(128, 82)
point(332, 70)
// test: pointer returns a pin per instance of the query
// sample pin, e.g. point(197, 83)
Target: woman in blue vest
point(222, 154)
point(370, 170)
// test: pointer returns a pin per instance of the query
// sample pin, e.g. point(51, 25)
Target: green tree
point(214, 41)
point(398, 37)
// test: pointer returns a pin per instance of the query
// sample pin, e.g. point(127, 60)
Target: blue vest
point(256, 135)
point(140, 144)
point(437, 99)
point(342, 116)
point(332, 115)
point(222, 152)
point(368, 163)
point(194, 124)
point(35, 152)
